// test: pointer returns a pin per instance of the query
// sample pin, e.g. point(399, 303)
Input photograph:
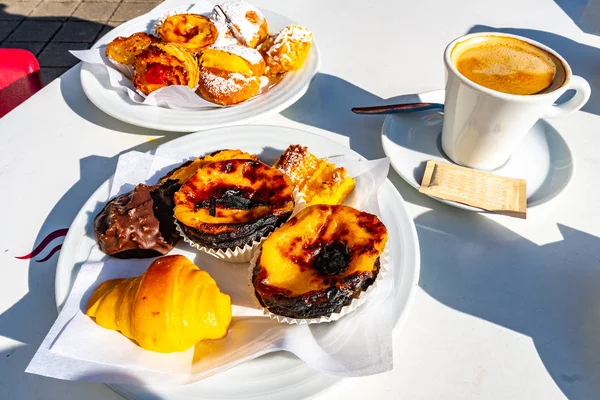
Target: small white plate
point(116, 103)
point(277, 375)
point(543, 158)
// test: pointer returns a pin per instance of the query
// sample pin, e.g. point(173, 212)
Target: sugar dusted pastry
point(319, 181)
point(319, 261)
point(193, 31)
point(287, 50)
point(230, 74)
point(165, 64)
point(250, 26)
point(234, 58)
point(169, 308)
point(124, 49)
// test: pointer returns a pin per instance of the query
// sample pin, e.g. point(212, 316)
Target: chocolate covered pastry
point(140, 224)
point(128, 227)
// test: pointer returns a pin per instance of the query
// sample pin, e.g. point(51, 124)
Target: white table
point(506, 308)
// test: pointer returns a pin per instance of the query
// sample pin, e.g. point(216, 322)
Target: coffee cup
point(498, 86)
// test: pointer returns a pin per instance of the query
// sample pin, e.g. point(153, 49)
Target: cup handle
point(582, 95)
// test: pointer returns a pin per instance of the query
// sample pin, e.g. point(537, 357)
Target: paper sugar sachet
point(475, 188)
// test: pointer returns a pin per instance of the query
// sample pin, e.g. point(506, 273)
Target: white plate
point(116, 103)
point(543, 158)
point(278, 375)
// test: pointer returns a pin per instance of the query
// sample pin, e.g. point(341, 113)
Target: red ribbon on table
point(40, 247)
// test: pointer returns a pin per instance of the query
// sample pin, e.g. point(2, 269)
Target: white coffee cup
point(482, 127)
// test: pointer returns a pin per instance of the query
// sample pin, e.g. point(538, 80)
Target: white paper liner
point(125, 69)
point(347, 309)
point(239, 254)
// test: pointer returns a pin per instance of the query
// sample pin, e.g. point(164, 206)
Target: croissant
point(170, 307)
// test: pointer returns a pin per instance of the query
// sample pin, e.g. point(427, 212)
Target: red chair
point(19, 78)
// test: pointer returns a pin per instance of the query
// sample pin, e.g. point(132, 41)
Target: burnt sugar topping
point(140, 223)
point(231, 203)
point(319, 261)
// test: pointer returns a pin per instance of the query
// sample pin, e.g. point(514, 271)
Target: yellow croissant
point(170, 307)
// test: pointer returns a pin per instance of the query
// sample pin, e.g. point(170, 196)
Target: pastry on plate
point(233, 203)
point(319, 181)
point(165, 189)
point(319, 261)
point(227, 88)
point(248, 25)
point(287, 50)
point(124, 49)
point(170, 307)
point(140, 223)
point(129, 227)
point(193, 31)
point(234, 58)
point(230, 74)
point(165, 64)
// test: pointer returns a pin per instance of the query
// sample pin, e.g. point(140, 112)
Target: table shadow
point(327, 105)
point(29, 319)
point(548, 292)
point(74, 96)
point(583, 59)
point(584, 13)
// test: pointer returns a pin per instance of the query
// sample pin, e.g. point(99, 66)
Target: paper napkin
point(77, 349)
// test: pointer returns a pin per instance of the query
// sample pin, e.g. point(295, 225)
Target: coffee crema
point(505, 64)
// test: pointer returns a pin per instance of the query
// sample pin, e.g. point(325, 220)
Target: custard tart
point(192, 31)
point(233, 203)
point(319, 261)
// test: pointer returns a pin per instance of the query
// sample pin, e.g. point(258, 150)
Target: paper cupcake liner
point(239, 254)
point(347, 309)
point(126, 70)
point(159, 21)
point(300, 202)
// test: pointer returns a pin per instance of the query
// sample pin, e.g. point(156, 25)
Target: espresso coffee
point(507, 65)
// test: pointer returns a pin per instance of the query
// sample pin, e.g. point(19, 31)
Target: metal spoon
point(397, 108)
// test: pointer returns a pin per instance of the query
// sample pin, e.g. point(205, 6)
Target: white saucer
point(543, 158)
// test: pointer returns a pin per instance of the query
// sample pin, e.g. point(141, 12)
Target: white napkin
point(77, 349)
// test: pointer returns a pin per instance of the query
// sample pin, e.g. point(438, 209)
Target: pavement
point(50, 28)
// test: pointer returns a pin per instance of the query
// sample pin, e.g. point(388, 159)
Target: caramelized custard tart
point(231, 203)
point(318, 261)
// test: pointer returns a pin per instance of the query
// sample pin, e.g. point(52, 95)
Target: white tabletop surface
point(506, 308)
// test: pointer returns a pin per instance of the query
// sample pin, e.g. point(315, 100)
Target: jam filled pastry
point(243, 20)
point(165, 64)
point(230, 74)
point(319, 261)
point(192, 31)
point(287, 50)
point(170, 307)
point(124, 49)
